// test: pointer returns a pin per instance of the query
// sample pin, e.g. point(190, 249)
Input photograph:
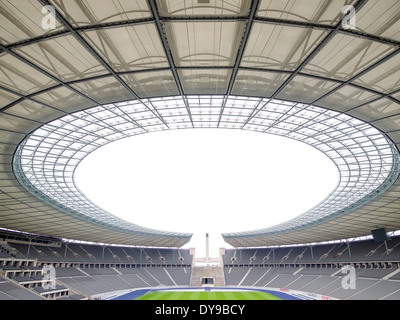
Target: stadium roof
point(98, 71)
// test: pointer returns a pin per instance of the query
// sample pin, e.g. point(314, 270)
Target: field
point(207, 295)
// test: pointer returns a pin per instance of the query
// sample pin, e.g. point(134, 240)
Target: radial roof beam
point(170, 59)
point(253, 10)
point(349, 81)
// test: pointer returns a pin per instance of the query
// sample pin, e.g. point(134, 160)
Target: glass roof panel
point(205, 81)
point(384, 78)
point(139, 47)
point(380, 20)
point(64, 99)
point(21, 77)
point(341, 57)
point(306, 89)
point(10, 137)
point(23, 20)
point(382, 108)
point(63, 57)
point(392, 125)
point(104, 90)
point(204, 44)
point(257, 83)
point(7, 98)
point(12, 123)
point(152, 83)
point(90, 12)
point(34, 111)
point(279, 47)
point(196, 8)
point(312, 11)
point(347, 98)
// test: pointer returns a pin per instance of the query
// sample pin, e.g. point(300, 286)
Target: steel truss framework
point(295, 55)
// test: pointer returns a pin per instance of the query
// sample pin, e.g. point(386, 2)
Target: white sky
point(206, 180)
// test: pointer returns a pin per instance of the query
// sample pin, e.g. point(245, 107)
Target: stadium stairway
point(216, 273)
point(195, 280)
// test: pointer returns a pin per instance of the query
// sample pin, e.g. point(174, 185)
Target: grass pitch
point(207, 295)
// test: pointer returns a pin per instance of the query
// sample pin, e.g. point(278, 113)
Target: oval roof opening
point(206, 180)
